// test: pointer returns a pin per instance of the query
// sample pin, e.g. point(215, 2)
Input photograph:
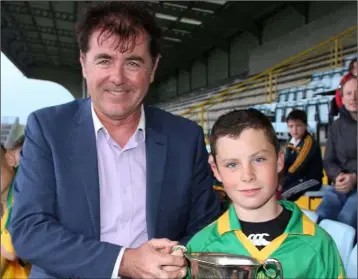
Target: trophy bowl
point(229, 266)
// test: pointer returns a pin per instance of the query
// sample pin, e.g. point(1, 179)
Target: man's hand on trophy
point(153, 260)
point(178, 253)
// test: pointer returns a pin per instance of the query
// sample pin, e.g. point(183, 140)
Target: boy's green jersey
point(304, 250)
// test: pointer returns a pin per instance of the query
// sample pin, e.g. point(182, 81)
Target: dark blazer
point(55, 221)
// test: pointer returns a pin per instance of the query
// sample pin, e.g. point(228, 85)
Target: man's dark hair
point(297, 114)
point(124, 19)
point(233, 123)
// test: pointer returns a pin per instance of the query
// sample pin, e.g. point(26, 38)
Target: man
point(101, 177)
point(340, 162)
point(303, 169)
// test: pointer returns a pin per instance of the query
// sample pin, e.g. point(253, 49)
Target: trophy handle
point(278, 268)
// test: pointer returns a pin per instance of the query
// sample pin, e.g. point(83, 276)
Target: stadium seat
point(343, 235)
point(351, 267)
point(311, 214)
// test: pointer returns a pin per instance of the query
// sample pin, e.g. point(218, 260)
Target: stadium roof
point(38, 37)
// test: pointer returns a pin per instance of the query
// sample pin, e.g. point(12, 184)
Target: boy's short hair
point(297, 114)
point(233, 123)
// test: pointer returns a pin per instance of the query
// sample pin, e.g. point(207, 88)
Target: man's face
point(349, 96)
point(248, 167)
point(117, 82)
point(296, 128)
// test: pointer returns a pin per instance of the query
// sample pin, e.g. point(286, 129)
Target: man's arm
point(330, 160)
point(37, 235)
point(205, 203)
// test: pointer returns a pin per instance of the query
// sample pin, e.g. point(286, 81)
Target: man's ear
point(214, 168)
point(83, 64)
point(155, 66)
point(10, 158)
point(280, 161)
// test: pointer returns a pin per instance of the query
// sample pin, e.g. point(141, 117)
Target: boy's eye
point(260, 159)
point(231, 165)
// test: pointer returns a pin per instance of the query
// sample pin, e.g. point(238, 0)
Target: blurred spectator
point(303, 168)
point(11, 266)
point(13, 153)
point(340, 162)
point(352, 71)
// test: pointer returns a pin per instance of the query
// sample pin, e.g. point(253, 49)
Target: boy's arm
point(332, 266)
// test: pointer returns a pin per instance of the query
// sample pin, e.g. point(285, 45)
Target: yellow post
point(336, 52)
point(202, 120)
point(270, 87)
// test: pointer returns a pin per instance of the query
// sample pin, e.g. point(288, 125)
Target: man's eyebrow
point(102, 56)
point(135, 58)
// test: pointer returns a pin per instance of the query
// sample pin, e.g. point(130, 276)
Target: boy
point(246, 158)
point(303, 167)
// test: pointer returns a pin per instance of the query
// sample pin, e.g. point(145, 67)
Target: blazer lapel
point(156, 152)
point(84, 144)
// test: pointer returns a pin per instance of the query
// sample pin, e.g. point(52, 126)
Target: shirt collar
point(298, 224)
point(98, 124)
point(294, 142)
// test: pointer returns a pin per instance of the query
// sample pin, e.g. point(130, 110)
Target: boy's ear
point(10, 158)
point(214, 168)
point(280, 161)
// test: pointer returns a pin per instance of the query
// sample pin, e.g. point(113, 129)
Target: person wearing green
point(246, 158)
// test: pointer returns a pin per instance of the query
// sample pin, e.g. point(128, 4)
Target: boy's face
point(297, 128)
point(248, 168)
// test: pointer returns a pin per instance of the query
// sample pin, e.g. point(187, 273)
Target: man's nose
point(117, 76)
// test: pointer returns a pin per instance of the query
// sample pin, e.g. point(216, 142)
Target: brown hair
point(350, 67)
point(233, 123)
point(124, 19)
point(297, 114)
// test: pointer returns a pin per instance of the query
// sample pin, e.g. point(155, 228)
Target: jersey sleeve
point(332, 263)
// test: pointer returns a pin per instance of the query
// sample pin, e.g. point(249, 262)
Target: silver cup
point(229, 266)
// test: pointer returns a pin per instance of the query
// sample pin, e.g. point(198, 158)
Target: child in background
point(246, 158)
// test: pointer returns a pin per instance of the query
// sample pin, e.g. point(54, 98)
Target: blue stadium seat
point(300, 95)
point(323, 109)
point(311, 214)
point(292, 95)
point(343, 235)
point(351, 267)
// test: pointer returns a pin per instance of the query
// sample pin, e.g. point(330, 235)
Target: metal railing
point(269, 79)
